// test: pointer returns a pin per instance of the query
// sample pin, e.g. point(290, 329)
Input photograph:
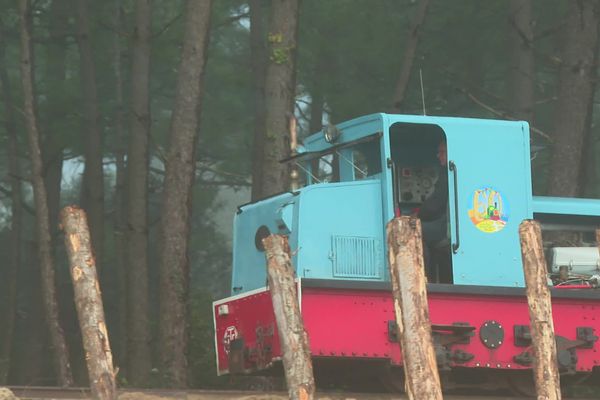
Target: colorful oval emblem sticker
point(488, 210)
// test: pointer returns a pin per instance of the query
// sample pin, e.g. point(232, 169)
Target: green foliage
point(348, 52)
point(279, 54)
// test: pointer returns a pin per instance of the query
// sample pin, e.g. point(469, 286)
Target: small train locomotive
point(356, 177)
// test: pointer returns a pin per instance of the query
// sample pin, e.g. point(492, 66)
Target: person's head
point(442, 153)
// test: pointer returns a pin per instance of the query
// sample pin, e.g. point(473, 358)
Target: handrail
point(395, 189)
point(454, 170)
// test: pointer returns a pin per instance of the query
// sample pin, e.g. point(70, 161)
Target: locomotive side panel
point(477, 329)
point(246, 338)
point(252, 223)
point(473, 327)
point(341, 232)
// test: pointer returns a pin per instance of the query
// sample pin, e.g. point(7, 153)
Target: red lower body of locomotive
point(474, 328)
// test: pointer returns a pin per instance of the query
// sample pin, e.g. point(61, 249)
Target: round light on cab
point(331, 133)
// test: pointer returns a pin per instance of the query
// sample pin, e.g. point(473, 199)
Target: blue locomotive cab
point(486, 172)
point(358, 175)
point(469, 182)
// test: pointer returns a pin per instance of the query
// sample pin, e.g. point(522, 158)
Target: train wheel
point(522, 384)
point(256, 383)
point(392, 379)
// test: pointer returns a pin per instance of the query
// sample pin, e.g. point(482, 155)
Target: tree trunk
point(408, 57)
point(88, 302)
point(257, 51)
point(297, 362)
point(177, 197)
point(280, 88)
point(575, 95)
point(52, 131)
point(316, 122)
point(545, 366)
point(523, 72)
point(139, 361)
point(52, 134)
point(61, 356)
point(407, 272)
point(92, 197)
point(33, 347)
point(316, 112)
point(588, 165)
point(119, 201)
point(14, 257)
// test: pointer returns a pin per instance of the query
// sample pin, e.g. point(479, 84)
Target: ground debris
point(241, 396)
point(146, 396)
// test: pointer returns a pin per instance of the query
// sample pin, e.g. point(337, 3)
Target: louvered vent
point(356, 257)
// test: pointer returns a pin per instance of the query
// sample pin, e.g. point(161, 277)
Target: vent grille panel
point(356, 257)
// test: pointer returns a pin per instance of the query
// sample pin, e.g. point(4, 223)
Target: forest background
point(105, 87)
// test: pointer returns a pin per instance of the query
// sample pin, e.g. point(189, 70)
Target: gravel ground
point(74, 393)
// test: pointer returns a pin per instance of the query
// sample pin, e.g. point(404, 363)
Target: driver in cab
point(434, 218)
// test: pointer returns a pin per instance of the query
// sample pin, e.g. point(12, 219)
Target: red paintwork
point(245, 314)
point(354, 323)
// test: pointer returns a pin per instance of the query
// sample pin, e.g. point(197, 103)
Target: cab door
point(489, 185)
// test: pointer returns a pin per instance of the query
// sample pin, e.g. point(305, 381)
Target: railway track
point(23, 392)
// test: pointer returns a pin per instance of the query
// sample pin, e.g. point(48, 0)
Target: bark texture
point(545, 366)
point(26, 368)
point(57, 339)
point(52, 134)
point(177, 196)
point(280, 88)
point(575, 96)
point(258, 53)
point(92, 197)
point(408, 57)
point(119, 221)
point(316, 122)
point(407, 271)
point(7, 394)
point(14, 256)
point(139, 361)
point(292, 336)
point(88, 302)
point(522, 72)
point(316, 112)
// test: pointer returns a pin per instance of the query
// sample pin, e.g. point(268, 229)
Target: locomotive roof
point(316, 141)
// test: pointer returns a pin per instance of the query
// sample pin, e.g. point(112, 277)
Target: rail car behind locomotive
point(358, 176)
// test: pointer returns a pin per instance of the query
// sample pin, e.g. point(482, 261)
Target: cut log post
point(88, 302)
point(407, 272)
point(545, 366)
point(297, 361)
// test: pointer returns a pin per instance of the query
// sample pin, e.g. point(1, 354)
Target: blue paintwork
point(566, 205)
point(349, 217)
point(346, 209)
point(489, 154)
point(248, 262)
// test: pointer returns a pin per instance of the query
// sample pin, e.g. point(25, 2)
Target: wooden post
point(598, 239)
point(405, 252)
point(292, 336)
point(88, 302)
point(7, 394)
point(545, 367)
